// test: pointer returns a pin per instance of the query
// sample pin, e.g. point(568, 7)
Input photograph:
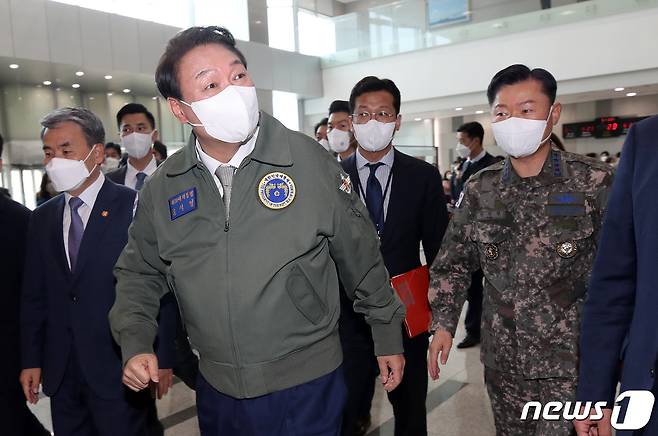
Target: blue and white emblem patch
point(276, 190)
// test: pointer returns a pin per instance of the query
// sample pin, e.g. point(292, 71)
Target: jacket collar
point(272, 148)
point(553, 171)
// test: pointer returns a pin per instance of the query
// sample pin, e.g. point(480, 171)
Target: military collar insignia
point(276, 190)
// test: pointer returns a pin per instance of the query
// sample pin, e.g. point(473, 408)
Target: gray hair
point(91, 125)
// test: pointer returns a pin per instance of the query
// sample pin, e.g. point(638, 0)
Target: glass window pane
point(28, 189)
point(317, 34)
point(286, 109)
point(281, 24)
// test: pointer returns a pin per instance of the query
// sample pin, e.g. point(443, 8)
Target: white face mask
point(324, 143)
point(374, 135)
point(339, 140)
point(462, 150)
point(230, 116)
point(68, 174)
point(520, 137)
point(110, 164)
point(137, 144)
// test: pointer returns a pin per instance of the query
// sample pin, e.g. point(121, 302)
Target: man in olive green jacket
point(250, 225)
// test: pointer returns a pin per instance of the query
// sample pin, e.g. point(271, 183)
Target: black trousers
point(360, 371)
point(473, 319)
point(408, 399)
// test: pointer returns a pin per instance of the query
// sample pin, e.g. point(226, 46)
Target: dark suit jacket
point(63, 310)
point(622, 302)
point(118, 176)
point(14, 220)
point(458, 183)
point(416, 214)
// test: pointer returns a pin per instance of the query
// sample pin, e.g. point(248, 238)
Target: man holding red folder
point(404, 197)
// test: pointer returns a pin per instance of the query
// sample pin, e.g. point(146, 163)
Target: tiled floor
point(457, 403)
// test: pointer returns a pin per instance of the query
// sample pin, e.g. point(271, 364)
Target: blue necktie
point(140, 181)
point(75, 230)
point(374, 197)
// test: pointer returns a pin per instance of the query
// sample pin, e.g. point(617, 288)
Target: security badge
point(491, 251)
point(566, 250)
point(276, 191)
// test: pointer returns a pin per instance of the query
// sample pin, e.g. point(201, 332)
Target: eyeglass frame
point(394, 118)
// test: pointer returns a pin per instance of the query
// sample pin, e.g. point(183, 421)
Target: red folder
point(412, 288)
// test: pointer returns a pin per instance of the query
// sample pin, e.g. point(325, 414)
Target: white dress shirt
point(382, 173)
point(212, 164)
point(88, 197)
point(131, 172)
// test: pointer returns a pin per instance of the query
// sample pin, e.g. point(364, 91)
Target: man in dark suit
point(470, 137)
point(15, 418)
point(405, 199)
point(74, 241)
point(619, 316)
point(138, 133)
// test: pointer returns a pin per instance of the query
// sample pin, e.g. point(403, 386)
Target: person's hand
point(140, 371)
point(590, 427)
point(30, 379)
point(166, 381)
point(391, 370)
point(441, 344)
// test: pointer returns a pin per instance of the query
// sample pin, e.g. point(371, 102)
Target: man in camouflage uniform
point(531, 223)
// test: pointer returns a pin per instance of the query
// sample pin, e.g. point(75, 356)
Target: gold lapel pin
point(104, 213)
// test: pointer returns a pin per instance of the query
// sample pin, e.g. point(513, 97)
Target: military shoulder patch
point(345, 184)
point(182, 203)
point(276, 190)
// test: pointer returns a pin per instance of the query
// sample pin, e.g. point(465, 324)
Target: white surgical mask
point(339, 140)
point(374, 135)
point(137, 144)
point(229, 116)
point(520, 137)
point(462, 150)
point(110, 164)
point(324, 143)
point(68, 174)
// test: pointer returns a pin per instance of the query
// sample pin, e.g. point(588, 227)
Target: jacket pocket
point(493, 241)
point(304, 295)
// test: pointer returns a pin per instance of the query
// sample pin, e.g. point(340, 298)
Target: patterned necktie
point(140, 181)
point(374, 197)
point(225, 175)
point(76, 230)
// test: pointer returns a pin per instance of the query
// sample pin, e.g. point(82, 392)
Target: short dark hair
point(2, 144)
point(374, 84)
point(323, 122)
point(91, 125)
point(135, 108)
point(473, 130)
point(160, 148)
point(339, 106)
point(520, 73)
point(166, 74)
point(113, 146)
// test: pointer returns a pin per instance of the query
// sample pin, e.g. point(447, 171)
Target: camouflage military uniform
point(535, 239)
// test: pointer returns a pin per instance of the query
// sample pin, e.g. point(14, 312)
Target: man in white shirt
point(138, 133)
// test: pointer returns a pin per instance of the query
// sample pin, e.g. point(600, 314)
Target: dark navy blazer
point(620, 316)
point(63, 311)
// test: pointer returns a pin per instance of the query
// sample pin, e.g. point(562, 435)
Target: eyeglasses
point(382, 117)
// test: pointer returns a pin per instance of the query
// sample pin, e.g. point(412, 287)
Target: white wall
point(458, 74)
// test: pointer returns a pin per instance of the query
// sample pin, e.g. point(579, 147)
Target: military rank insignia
point(566, 250)
point(276, 190)
point(182, 203)
point(345, 184)
point(491, 251)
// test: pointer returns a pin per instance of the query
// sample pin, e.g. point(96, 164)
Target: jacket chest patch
point(276, 190)
point(182, 203)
